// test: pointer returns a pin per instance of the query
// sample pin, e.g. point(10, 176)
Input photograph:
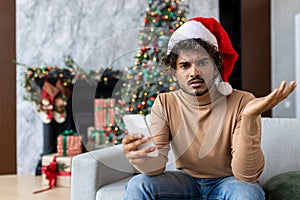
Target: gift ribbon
point(65, 134)
point(101, 133)
point(51, 173)
point(108, 105)
point(60, 173)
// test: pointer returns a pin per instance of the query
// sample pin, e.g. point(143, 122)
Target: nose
point(194, 72)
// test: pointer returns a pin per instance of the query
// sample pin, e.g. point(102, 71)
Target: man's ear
point(174, 77)
point(216, 73)
point(173, 74)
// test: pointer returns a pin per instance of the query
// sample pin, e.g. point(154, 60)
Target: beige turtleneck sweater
point(209, 135)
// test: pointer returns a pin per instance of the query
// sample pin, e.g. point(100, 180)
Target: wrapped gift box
point(104, 113)
point(97, 136)
point(63, 172)
point(96, 139)
point(69, 145)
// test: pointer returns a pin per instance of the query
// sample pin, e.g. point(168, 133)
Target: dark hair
point(168, 62)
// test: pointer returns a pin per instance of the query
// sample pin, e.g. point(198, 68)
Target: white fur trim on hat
point(191, 30)
point(224, 88)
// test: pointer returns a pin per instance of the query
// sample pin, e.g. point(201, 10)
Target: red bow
point(51, 173)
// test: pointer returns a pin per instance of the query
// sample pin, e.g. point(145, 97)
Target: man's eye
point(203, 62)
point(184, 66)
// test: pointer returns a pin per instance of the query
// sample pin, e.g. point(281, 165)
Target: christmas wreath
point(49, 87)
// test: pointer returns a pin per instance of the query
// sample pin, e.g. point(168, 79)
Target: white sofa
point(102, 174)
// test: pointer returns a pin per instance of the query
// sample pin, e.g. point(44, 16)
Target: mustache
point(196, 79)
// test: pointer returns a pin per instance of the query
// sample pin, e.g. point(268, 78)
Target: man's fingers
point(140, 153)
point(284, 93)
point(280, 93)
point(281, 87)
point(130, 138)
point(132, 142)
point(131, 146)
point(290, 89)
point(262, 104)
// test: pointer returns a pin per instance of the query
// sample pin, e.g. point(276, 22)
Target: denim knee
point(166, 186)
point(236, 190)
point(136, 181)
point(140, 184)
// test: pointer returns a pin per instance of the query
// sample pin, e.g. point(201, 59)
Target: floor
point(21, 187)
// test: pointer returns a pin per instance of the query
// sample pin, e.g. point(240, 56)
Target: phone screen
point(136, 124)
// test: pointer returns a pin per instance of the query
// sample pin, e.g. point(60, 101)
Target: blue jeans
point(180, 185)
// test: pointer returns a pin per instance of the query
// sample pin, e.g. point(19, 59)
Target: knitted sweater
point(209, 135)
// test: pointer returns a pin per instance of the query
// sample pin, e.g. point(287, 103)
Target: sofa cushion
point(112, 191)
point(283, 186)
point(280, 145)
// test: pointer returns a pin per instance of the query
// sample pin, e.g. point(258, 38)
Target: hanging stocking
point(59, 112)
point(64, 90)
point(44, 108)
point(48, 94)
point(60, 102)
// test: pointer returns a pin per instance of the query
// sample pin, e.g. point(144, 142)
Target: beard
point(196, 91)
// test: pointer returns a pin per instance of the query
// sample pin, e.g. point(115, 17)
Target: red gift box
point(104, 113)
point(61, 175)
point(68, 144)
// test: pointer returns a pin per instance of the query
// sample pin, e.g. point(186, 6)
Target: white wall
point(48, 30)
point(283, 51)
point(297, 59)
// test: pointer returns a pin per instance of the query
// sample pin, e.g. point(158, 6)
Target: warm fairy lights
point(145, 80)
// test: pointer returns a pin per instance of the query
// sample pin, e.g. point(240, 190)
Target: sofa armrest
point(92, 170)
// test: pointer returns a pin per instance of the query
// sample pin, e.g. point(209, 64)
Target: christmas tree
point(145, 79)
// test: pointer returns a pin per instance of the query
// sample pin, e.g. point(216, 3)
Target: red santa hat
point(211, 31)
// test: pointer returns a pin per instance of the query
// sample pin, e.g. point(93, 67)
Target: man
point(213, 129)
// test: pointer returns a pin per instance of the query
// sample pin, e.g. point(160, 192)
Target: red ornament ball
point(152, 98)
point(144, 48)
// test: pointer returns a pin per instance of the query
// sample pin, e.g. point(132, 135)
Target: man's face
point(195, 71)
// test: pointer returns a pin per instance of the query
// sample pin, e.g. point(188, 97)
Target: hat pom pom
point(224, 88)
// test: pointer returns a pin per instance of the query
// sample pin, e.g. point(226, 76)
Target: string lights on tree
point(145, 79)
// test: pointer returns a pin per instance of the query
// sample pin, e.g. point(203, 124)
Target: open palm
point(259, 105)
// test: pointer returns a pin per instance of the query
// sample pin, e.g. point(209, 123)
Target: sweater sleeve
point(247, 156)
point(160, 133)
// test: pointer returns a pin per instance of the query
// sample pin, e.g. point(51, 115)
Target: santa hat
point(211, 31)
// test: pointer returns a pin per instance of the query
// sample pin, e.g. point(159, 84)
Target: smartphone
point(137, 123)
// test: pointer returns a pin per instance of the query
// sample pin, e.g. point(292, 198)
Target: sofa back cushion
point(281, 146)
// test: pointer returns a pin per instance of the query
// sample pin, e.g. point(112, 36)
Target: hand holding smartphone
point(136, 123)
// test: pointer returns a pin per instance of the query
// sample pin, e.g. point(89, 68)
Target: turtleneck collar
point(202, 100)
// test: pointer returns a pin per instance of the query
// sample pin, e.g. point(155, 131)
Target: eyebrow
point(183, 62)
point(186, 62)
